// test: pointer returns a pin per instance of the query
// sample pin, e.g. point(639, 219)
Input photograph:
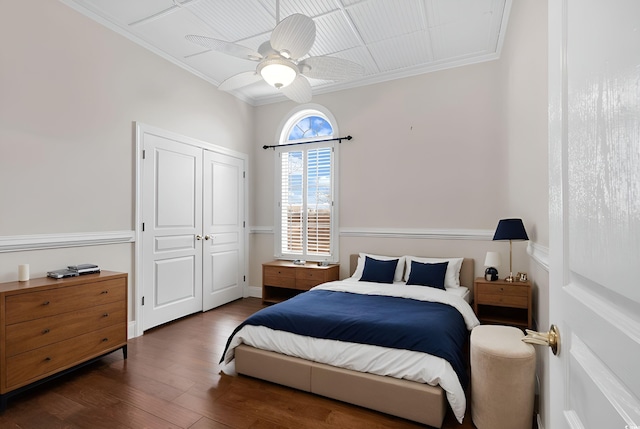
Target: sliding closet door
point(172, 251)
point(223, 226)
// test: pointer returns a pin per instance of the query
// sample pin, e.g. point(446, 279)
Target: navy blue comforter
point(401, 323)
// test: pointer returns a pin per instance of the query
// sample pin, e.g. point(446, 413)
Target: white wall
point(70, 92)
point(428, 152)
point(524, 58)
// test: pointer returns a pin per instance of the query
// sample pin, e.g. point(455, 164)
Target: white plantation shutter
point(306, 206)
point(292, 202)
point(319, 201)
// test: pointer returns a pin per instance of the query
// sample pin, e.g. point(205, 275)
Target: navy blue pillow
point(378, 271)
point(428, 274)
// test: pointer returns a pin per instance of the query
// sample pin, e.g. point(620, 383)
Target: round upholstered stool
point(502, 378)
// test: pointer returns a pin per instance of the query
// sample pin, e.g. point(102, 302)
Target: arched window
point(306, 225)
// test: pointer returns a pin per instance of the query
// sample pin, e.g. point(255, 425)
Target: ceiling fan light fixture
point(278, 72)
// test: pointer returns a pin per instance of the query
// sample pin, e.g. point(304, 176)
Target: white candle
point(23, 272)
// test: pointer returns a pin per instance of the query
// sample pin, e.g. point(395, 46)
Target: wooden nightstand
point(282, 280)
point(504, 303)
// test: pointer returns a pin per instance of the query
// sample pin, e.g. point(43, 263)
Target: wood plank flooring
point(172, 379)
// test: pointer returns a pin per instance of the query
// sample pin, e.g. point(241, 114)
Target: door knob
point(551, 338)
point(198, 237)
point(206, 237)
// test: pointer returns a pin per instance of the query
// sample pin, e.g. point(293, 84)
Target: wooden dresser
point(49, 326)
point(282, 280)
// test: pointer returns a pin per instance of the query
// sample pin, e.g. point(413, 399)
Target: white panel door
point(172, 215)
point(223, 265)
point(594, 94)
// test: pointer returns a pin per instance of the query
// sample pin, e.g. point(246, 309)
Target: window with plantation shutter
point(306, 206)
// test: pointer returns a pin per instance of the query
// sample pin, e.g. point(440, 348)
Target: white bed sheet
point(461, 291)
point(404, 364)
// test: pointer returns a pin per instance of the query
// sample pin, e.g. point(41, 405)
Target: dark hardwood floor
point(172, 379)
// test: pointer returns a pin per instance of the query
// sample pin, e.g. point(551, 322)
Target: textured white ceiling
point(390, 38)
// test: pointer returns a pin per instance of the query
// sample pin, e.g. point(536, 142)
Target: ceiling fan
point(281, 60)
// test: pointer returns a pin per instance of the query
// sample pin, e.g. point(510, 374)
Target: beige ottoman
point(502, 378)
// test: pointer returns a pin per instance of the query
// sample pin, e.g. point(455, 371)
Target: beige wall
point(525, 70)
point(428, 152)
point(70, 91)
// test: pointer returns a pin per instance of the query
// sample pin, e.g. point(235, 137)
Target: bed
point(417, 380)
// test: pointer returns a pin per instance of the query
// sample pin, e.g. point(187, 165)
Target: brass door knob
point(551, 338)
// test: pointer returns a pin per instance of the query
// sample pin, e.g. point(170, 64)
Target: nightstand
point(504, 303)
point(282, 280)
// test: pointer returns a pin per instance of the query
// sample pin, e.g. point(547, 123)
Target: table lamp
point(491, 261)
point(510, 229)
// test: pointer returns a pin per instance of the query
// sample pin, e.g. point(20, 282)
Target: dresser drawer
point(503, 300)
point(35, 364)
point(279, 276)
point(34, 305)
point(25, 336)
point(311, 274)
point(492, 289)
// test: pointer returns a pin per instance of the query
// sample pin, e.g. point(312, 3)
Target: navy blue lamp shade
point(510, 229)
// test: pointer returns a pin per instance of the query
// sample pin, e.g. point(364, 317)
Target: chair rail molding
point(539, 253)
point(20, 243)
point(432, 233)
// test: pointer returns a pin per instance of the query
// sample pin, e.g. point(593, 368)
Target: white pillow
point(397, 277)
point(451, 277)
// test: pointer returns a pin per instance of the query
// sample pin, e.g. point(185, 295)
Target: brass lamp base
point(510, 279)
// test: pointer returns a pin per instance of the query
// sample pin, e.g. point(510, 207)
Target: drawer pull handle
point(45, 331)
point(46, 303)
point(104, 340)
point(47, 359)
point(105, 315)
point(104, 292)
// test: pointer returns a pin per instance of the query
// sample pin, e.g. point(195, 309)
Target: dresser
point(49, 326)
point(504, 303)
point(282, 280)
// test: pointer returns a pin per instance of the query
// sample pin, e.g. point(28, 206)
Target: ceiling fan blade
point(228, 48)
point(294, 35)
point(330, 68)
point(239, 80)
point(299, 90)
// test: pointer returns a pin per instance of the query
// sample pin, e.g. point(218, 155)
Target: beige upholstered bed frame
point(403, 398)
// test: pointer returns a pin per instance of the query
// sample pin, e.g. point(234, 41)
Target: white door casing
point(594, 131)
point(223, 265)
point(206, 187)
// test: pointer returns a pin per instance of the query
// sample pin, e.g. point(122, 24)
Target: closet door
point(172, 250)
point(223, 228)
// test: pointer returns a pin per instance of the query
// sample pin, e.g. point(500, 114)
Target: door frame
point(140, 130)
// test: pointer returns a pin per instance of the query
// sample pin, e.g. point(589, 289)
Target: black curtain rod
point(339, 139)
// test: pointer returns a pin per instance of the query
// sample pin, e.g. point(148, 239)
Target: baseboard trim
point(131, 333)
point(20, 243)
point(254, 292)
